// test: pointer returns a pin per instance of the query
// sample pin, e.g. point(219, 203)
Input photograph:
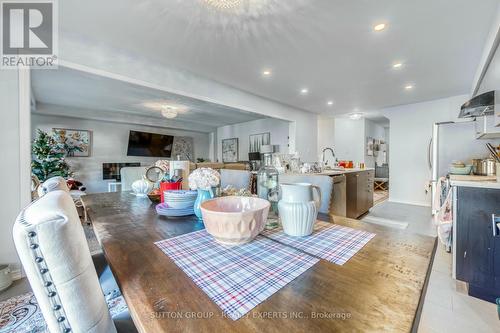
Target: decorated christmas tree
point(48, 157)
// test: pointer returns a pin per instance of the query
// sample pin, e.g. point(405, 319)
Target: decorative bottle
point(267, 183)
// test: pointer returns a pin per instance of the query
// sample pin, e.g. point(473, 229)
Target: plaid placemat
point(236, 278)
point(328, 241)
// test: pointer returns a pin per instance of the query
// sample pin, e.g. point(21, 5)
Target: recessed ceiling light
point(330, 103)
point(356, 115)
point(266, 72)
point(379, 27)
point(304, 91)
point(409, 87)
point(397, 65)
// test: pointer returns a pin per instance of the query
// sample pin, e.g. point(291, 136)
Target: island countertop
point(335, 172)
point(381, 288)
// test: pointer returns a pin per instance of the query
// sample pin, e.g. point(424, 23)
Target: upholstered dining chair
point(237, 178)
point(51, 244)
point(129, 175)
point(325, 184)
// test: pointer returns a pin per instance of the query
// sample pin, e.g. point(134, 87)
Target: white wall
point(115, 63)
point(109, 144)
point(410, 132)
point(376, 132)
point(10, 166)
point(279, 130)
point(349, 139)
point(326, 138)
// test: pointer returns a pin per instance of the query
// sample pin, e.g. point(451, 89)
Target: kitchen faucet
point(323, 155)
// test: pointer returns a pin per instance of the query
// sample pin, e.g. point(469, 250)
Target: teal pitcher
point(203, 195)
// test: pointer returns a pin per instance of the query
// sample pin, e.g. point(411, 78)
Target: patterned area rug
point(21, 314)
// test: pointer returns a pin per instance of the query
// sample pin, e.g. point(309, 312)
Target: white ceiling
point(327, 46)
point(80, 91)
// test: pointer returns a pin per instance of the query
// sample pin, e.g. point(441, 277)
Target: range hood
point(480, 105)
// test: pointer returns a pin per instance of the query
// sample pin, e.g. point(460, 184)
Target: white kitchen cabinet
point(486, 127)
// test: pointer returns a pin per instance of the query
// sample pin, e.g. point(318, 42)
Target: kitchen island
point(352, 191)
point(381, 288)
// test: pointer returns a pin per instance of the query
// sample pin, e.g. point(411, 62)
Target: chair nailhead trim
point(46, 280)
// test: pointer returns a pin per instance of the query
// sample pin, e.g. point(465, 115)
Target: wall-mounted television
point(149, 144)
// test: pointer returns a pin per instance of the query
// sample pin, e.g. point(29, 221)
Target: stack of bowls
point(180, 199)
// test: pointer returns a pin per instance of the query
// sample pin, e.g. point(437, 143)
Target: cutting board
point(472, 178)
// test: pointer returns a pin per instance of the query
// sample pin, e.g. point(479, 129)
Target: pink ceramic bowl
point(235, 220)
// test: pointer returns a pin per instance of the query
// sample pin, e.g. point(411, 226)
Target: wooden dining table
point(381, 288)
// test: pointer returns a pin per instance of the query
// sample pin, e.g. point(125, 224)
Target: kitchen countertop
point(474, 181)
point(340, 172)
point(333, 172)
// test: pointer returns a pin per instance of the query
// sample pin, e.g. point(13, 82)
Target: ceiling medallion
point(223, 4)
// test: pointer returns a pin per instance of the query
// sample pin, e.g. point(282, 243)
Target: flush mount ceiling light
point(379, 27)
point(169, 112)
point(397, 65)
point(224, 4)
point(409, 87)
point(329, 103)
point(304, 91)
point(356, 115)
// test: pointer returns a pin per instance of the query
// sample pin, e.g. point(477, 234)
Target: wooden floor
point(380, 196)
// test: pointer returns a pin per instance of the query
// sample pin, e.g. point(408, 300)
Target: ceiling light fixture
point(356, 116)
point(169, 112)
point(379, 27)
point(330, 103)
point(304, 91)
point(223, 4)
point(409, 87)
point(266, 72)
point(397, 65)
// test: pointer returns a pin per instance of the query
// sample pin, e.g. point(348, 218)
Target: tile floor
point(447, 307)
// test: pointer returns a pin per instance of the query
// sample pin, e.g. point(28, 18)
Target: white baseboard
point(413, 203)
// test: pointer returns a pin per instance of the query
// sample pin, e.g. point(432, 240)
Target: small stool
point(380, 184)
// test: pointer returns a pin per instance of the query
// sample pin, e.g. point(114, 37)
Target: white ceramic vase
point(298, 209)
point(142, 187)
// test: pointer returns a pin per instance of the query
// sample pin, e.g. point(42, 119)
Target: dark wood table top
point(381, 288)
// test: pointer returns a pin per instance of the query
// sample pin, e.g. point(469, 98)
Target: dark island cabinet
point(478, 241)
point(359, 192)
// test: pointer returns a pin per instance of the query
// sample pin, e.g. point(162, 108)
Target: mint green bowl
point(466, 170)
